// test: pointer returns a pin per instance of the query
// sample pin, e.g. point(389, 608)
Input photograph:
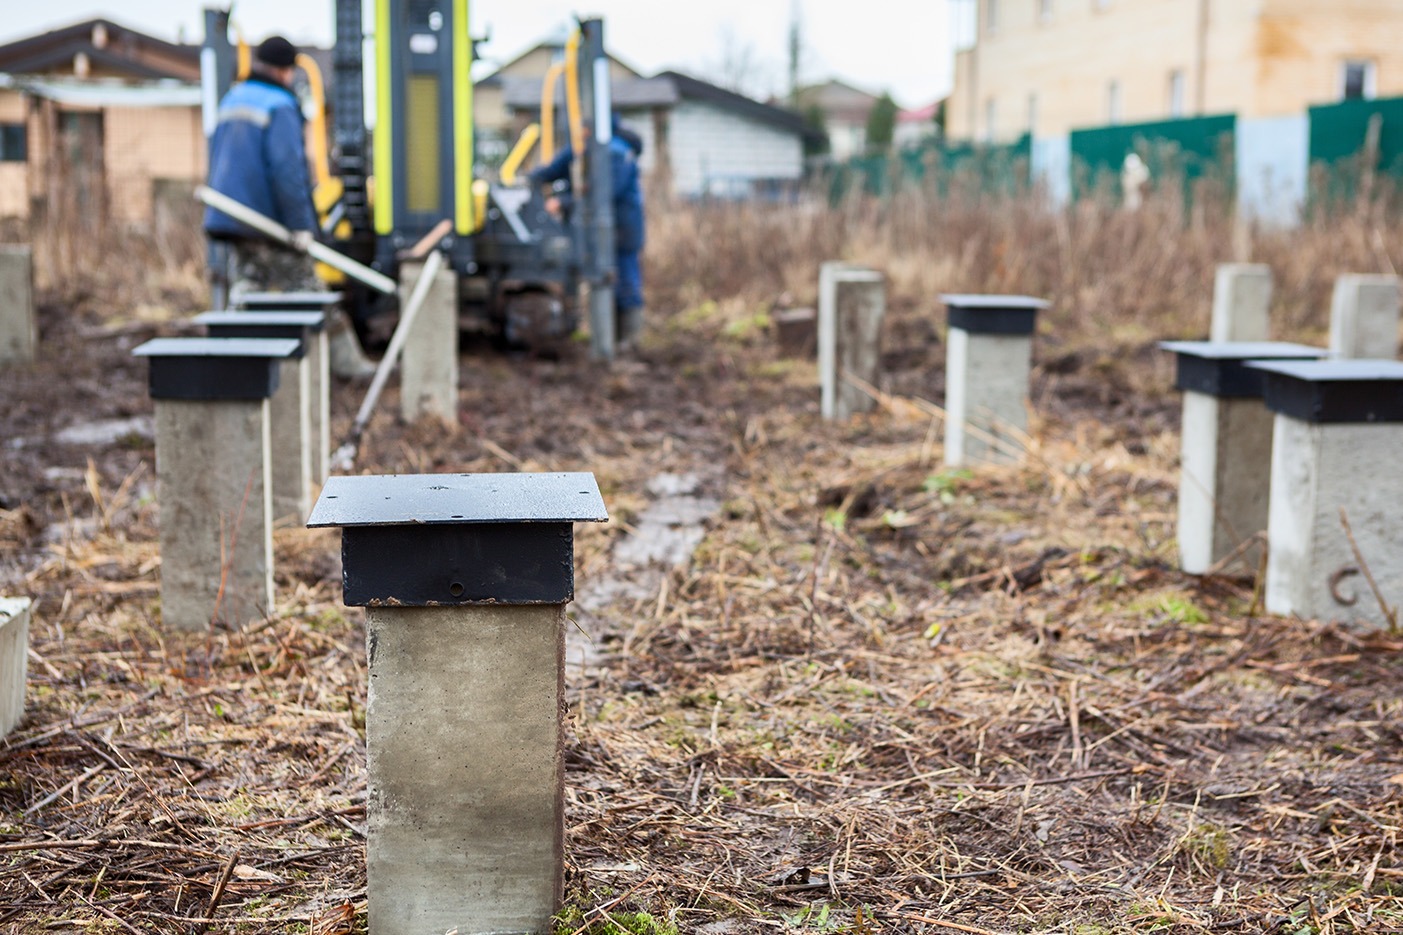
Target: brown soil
point(882, 696)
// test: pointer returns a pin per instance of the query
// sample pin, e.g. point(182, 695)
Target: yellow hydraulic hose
point(481, 189)
point(326, 189)
point(548, 110)
point(245, 57)
point(321, 162)
point(519, 153)
point(572, 92)
point(464, 221)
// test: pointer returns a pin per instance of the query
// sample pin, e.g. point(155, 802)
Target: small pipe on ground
point(344, 457)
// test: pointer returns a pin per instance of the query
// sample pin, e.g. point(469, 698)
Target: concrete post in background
point(464, 578)
point(429, 368)
point(796, 331)
point(1364, 315)
point(212, 468)
point(1241, 302)
point(318, 362)
point(1226, 447)
point(14, 660)
point(852, 302)
point(1335, 445)
point(828, 274)
point(988, 358)
point(294, 445)
point(19, 332)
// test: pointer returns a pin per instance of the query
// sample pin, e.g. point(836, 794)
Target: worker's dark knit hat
point(278, 52)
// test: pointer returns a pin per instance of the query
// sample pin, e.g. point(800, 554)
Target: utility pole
point(1201, 63)
point(795, 45)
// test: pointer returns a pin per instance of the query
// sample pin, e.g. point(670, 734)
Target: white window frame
point(1115, 103)
point(1044, 11)
point(1371, 77)
point(1178, 96)
point(991, 16)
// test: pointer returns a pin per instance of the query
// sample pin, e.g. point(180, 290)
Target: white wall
point(1052, 165)
point(715, 151)
point(641, 122)
point(1272, 168)
point(846, 140)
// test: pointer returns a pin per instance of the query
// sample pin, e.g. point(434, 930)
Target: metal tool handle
point(317, 251)
point(345, 456)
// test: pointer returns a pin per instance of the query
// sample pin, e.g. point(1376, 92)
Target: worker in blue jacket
point(258, 158)
point(625, 147)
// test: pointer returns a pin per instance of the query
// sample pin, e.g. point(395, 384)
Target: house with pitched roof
point(699, 140)
point(844, 110)
point(98, 120)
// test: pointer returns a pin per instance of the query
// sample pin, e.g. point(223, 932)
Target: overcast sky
point(902, 46)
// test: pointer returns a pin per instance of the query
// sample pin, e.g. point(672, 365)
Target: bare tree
point(740, 67)
point(796, 48)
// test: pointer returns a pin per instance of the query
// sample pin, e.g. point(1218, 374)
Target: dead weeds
point(883, 696)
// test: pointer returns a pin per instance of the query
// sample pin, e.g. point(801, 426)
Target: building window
point(1032, 114)
point(1113, 106)
point(13, 143)
point(990, 115)
point(1358, 80)
point(1176, 93)
point(1044, 11)
point(991, 16)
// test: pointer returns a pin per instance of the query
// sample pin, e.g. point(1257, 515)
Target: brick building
point(1049, 66)
point(98, 119)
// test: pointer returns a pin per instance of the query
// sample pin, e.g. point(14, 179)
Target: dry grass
point(1117, 280)
point(118, 272)
point(880, 697)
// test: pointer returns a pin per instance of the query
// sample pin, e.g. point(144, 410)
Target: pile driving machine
point(382, 189)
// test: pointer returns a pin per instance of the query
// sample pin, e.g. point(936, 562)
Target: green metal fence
point(1353, 140)
point(939, 164)
point(1186, 150)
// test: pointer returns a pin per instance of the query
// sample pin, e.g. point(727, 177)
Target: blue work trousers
point(628, 291)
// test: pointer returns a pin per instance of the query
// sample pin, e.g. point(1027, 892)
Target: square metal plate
point(413, 499)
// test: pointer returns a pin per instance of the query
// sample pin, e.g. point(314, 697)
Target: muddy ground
point(878, 696)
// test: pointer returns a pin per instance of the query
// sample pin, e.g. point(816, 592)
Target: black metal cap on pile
point(1217, 368)
point(293, 325)
point(215, 368)
point(307, 300)
point(993, 314)
point(1334, 391)
point(420, 540)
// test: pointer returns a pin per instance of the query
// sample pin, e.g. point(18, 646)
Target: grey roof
point(107, 92)
point(663, 90)
point(521, 93)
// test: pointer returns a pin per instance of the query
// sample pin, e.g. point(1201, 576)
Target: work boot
point(629, 327)
point(348, 360)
